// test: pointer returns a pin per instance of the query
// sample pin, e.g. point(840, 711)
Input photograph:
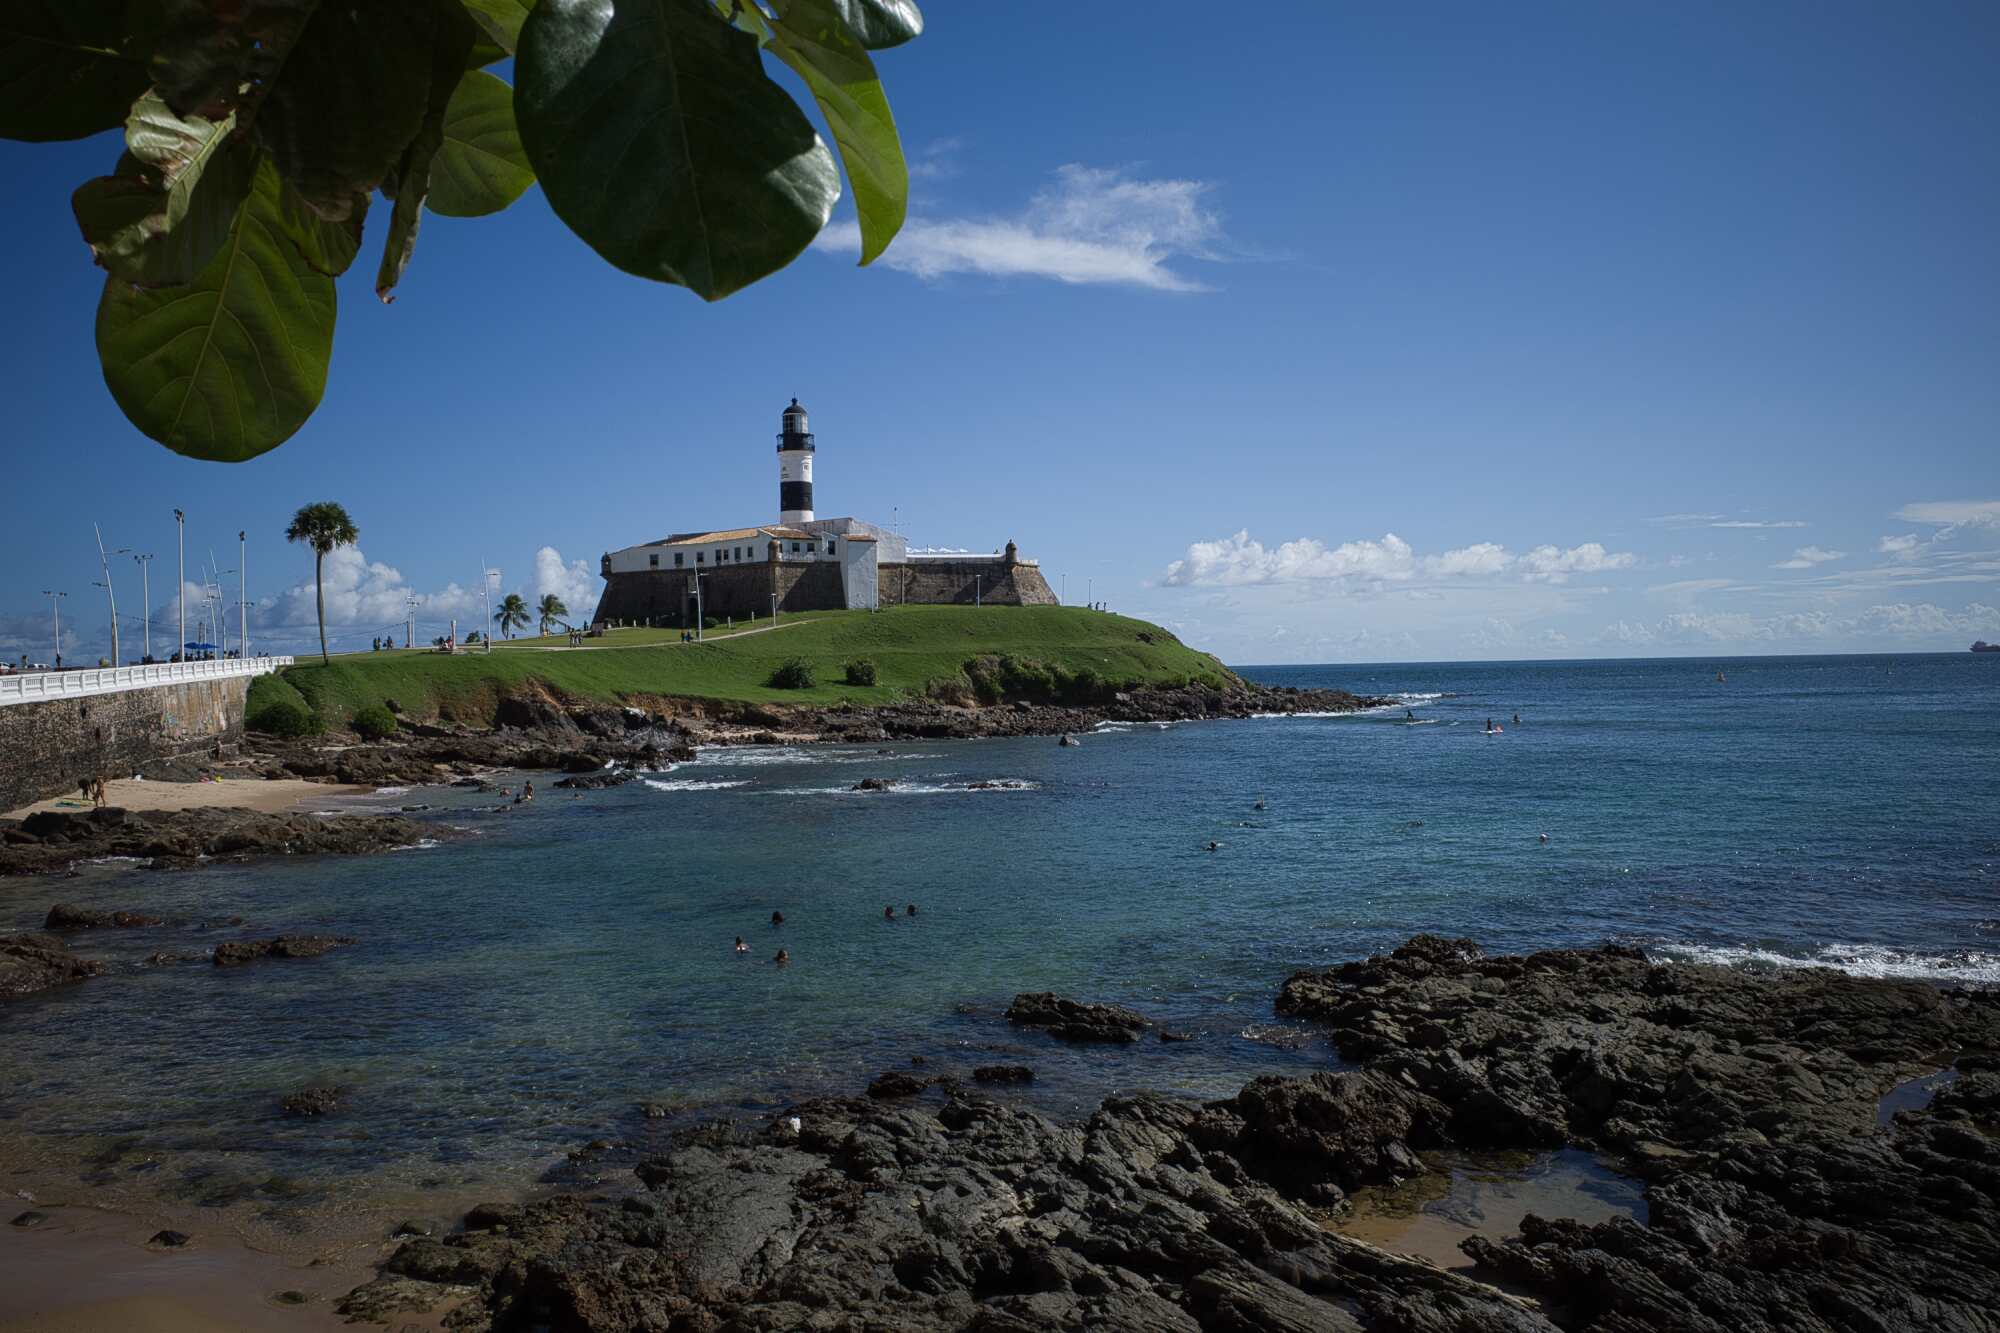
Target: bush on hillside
point(794, 674)
point(374, 723)
point(861, 672)
point(955, 690)
point(284, 717)
point(999, 679)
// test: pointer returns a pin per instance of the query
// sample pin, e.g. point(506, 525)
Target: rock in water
point(1074, 1020)
point(1068, 739)
point(31, 1218)
point(237, 952)
point(66, 916)
point(874, 784)
point(29, 963)
point(1003, 1074)
point(311, 1102)
point(172, 1240)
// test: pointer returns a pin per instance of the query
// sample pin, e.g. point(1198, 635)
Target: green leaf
point(216, 58)
point(328, 247)
point(234, 363)
point(659, 139)
point(353, 95)
point(500, 20)
point(411, 181)
point(876, 24)
point(485, 53)
point(813, 39)
point(482, 167)
point(68, 68)
point(168, 210)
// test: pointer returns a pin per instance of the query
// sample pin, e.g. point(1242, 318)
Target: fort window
point(698, 557)
point(677, 559)
point(795, 548)
point(653, 560)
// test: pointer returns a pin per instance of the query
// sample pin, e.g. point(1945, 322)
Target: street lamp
point(242, 599)
point(105, 561)
point(221, 610)
point(700, 618)
point(180, 587)
point(145, 563)
point(774, 610)
point(978, 598)
point(485, 591)
point(55, 605)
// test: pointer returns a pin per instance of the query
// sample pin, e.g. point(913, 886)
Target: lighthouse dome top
point(795, 409)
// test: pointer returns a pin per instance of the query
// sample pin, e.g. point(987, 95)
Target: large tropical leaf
point(814, 39)
point(353, 96)
point(234, 363)
point(500, 20)
point(411, 181)
point(68, 68)
point(482, 167)
point(328, 247)
point(876, 24)
point(216, 58)
point(162, 217)
point(659, 139)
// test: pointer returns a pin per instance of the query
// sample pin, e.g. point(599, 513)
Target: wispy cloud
point(1241, 560)
point(1759, 523)
point(1723, 521)
point(1896, 622)
point(1808, 556)
point(1905, 547)
point(936, 160)
point(1952, 513)
point(1092, 226)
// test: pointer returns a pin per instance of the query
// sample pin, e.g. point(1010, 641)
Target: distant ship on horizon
point(1981, 646)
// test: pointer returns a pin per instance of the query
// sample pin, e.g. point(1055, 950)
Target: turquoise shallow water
point(527, 985)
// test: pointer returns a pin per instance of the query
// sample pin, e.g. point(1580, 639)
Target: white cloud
point(1952, 513)
point(574, 583)
point(1808, 556)
point(1905, 547)
point(1240, 559)
point(1551, 564)
point(936, 160)
point(1759, 523)
point(1092, 226)
point(1899, 622)
point(362, 597)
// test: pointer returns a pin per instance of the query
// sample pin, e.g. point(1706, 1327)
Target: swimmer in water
point(1215, 846)
point(1517, 719)
point(777, 918)
point(1489, 726)
point(1545, 837)
point(911, 910)
point(782, 958)
point(1408, 716)
point(1259, 805)
point(741, 947)
point(889, 914)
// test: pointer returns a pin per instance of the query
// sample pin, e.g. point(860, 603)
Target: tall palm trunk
point(319, 595)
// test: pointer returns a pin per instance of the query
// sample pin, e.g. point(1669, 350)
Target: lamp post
point(978, 596)
point(180, 587)
point(774, 610)
point(221, 609)
point(485, 591)
point(409, 621)
point(55, 605)
point(145, 563)
point(110, 592)
point(242, 597)
point(699, 615)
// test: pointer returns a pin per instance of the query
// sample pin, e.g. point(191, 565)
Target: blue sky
point(1350, 333)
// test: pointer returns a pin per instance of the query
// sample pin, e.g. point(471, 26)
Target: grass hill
point(913, 648)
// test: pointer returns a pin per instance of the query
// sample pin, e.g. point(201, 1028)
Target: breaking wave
point(1860, 960)
point(694, 784)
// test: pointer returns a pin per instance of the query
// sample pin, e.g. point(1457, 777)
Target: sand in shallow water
point(269, 795)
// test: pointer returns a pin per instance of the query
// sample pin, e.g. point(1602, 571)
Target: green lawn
point(910, 647)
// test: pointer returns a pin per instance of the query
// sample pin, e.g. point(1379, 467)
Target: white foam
point(754, 756)
point(420, 845)
point(392, 791)
point(916, 789)
point(1860, 960)
point(115, 861)
point(1355, 712)
point(693, 784)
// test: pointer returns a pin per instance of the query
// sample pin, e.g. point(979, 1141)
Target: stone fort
point(801, 563)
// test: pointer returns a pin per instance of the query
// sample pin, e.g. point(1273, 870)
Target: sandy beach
point(266, 795)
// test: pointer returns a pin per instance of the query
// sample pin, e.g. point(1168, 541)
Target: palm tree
point(322, 526)
point(513, 614)
point(550, 609)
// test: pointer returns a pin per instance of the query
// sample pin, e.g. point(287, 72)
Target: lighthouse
point(795, 467)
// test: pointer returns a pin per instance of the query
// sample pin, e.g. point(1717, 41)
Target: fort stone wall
point(47, 747)
point(946, 582)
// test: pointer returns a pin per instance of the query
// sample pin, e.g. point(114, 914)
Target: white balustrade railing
point(33, 687)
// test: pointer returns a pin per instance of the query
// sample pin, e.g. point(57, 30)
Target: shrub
point(374, 722)
point(283, 717)
point(950, 690)
point(793, 674)
point(861, 672)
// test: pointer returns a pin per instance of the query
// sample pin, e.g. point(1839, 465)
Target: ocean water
point(539, 974)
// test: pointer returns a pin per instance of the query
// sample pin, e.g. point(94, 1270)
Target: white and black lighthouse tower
point(795, 467)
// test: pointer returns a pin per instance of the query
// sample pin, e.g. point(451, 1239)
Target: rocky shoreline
point(1747, 1102)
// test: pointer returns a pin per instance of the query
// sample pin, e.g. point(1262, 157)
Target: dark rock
point(180, 836)
point(311, 1102)
point(598, 779)
point(1068, 739)
point(30, 963)
point(172, 1240)
point(1074, 1020)
point(292, 1296)
point(875, 784)
point(234, 953)
point(65, 916)
point(896, 1083)
point(493, 1217)
point(1003, 1074)
point(1166, 1035)
point(31, 1218)
point(411, 1226)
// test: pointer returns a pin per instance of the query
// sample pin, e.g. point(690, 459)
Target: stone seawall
point(944, 582)
point(47, 747)
point(743, 591)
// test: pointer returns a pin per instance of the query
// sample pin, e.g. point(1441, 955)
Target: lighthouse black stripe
point(795, 495)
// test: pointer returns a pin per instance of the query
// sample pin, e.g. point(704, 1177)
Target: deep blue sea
point(534, 978)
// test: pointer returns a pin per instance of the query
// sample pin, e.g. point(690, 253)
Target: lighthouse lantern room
point(795, 467)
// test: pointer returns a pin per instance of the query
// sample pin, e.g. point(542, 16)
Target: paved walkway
point(710, 637)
